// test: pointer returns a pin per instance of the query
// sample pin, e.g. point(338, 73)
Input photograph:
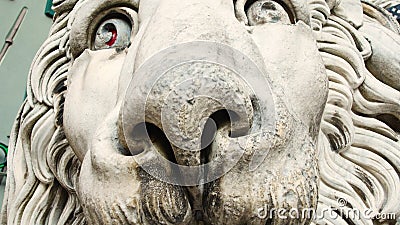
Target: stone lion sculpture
point(299, 102)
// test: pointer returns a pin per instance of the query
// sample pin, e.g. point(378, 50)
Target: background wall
point(15, 65)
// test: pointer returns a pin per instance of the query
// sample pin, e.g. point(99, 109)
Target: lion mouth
point(230, 199)
point(173, 165)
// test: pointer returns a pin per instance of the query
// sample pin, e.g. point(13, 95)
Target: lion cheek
point(103, 202)
point(113, 189)
point(300, 79)
point(93, 84)
point(276, 192)
point(129, 198)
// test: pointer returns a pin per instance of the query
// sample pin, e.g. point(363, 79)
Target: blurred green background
point(15, 65)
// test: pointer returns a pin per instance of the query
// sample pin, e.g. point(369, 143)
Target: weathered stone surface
point(210, 112)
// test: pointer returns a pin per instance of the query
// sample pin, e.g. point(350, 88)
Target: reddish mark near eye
point(113, 38)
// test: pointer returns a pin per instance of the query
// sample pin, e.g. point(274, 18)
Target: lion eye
point(267, 11)
point(112, 33)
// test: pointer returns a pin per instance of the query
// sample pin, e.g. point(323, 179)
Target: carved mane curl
point(43, 169)
point(359, 149)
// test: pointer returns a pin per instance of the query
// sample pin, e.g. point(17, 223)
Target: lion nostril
point(209, 132)
point(268, 6)
point(161, 142)
point(139, 132)
point(148, 132)
point(218, 120)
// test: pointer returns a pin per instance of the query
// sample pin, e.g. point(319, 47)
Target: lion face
point(231, 111)
point(210, 112)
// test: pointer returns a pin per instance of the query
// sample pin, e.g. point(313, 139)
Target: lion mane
point(358, 146)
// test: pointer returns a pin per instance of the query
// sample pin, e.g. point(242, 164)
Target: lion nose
point(196, 74)
point(178, 90)
point(184, 103)
point(177, 100)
